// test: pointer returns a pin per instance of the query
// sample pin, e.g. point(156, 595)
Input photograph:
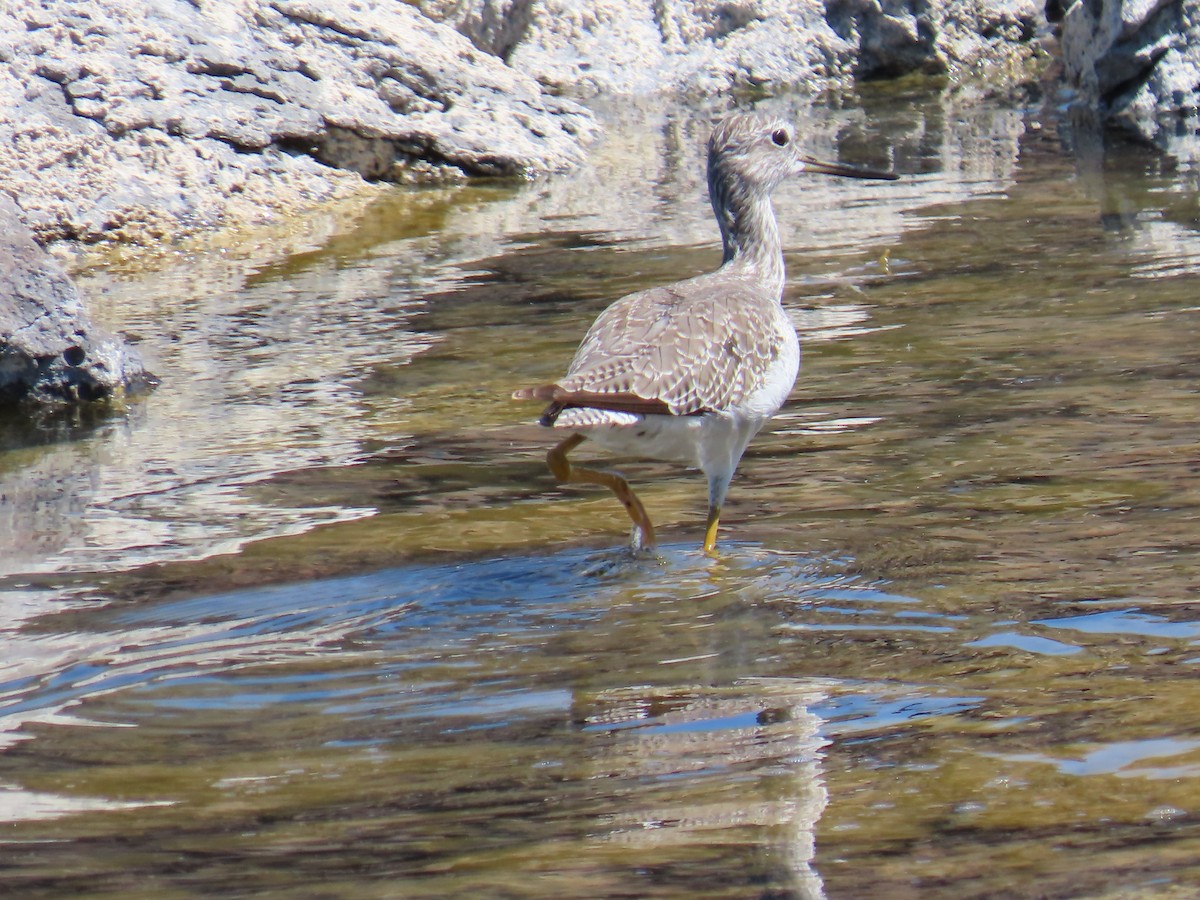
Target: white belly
point(671, 438)
point(712, 442)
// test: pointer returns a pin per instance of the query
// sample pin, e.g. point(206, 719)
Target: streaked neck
point(749, 232)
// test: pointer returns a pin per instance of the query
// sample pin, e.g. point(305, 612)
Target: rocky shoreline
point(140, 122)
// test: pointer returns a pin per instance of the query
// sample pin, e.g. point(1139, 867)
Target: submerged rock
point(1138, 65)
point(137, 120)
point(50, 351)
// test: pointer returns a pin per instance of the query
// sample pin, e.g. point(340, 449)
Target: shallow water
point(312, 618)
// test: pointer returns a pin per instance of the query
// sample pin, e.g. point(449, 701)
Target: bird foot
point(641, 543)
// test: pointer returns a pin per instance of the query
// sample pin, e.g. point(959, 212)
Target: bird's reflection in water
point(713, 765)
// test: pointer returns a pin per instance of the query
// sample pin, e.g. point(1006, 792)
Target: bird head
point(763, 151)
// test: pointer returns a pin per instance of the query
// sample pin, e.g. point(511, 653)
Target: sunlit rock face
point(710, 46)
point(139, 120)
point(50, 350)
point(1136, 63)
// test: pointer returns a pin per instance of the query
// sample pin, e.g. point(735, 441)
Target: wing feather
point(702, 344)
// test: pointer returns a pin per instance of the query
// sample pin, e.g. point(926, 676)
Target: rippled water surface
point(313, 619)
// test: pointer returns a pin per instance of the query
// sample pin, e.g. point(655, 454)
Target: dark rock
point(50, 351)
point(1137, 65)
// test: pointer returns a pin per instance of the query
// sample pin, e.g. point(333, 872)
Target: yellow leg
point(710, 530)
point(566, 473)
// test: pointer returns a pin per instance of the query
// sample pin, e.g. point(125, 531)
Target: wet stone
point(50, 350)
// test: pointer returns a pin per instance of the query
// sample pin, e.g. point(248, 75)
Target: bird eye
point(780, 137)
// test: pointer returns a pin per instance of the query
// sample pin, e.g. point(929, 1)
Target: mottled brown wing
point(702, 344)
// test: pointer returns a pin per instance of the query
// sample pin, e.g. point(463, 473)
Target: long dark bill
point(825, 168)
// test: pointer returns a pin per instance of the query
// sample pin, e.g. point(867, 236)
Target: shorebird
point(689, 372)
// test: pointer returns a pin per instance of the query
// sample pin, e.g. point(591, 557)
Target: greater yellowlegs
point(691, 371)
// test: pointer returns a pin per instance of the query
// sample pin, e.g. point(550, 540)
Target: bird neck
point(749, 232)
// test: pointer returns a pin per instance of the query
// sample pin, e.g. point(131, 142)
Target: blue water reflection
point(458, 639)
point(1125, 621)
point(1126, 758)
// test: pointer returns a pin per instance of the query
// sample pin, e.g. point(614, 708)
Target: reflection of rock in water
point(260, 378)
point(19, 805)
point(715, 765)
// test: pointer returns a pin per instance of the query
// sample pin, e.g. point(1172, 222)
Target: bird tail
point(543, 393)
point(615, 401)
